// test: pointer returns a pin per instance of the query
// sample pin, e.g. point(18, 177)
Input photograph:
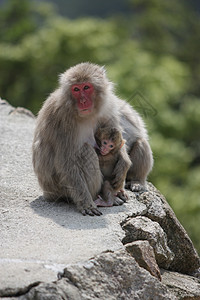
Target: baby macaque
point(111, 152)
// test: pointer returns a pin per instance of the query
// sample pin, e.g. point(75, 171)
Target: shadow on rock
point(66, 215)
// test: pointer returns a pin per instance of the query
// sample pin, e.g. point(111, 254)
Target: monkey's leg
point(120, 171)
point(50, 196)
point(83, 200)
point(76, 187)
point(107, 193)
point(49, 186)
point(107, 199)
point(88, 173)
point(142, 162)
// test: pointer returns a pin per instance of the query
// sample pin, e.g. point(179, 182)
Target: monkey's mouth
point(103, 152)
point(85, 107)
point(85, 111)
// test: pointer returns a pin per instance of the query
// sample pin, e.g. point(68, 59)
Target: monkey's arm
point(82, 179)
point(120, 170)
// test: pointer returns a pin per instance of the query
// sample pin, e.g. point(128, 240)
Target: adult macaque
point(64, 160)
point(111, 151)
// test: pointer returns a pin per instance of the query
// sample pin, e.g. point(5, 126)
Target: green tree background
point(151, 52)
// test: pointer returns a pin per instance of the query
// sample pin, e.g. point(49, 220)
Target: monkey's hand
point(117, 182)
point(117, 201)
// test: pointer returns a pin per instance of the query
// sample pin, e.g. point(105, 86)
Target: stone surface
point(108, 276)
point(145, 257)
point(182, 286)
point(178, 240)
point(38, 238)
point(142, 228)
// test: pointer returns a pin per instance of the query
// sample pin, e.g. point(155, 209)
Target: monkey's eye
point(76, 89)
point(86, 87)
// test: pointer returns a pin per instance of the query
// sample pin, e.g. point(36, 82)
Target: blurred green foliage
point(152, 56)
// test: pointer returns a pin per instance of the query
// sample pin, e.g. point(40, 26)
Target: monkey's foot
point(118, 201)
point(122, 195)
point(91, 212)
point(136, 186)
point(102, 203)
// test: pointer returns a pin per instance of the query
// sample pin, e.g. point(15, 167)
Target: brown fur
point(116, 158)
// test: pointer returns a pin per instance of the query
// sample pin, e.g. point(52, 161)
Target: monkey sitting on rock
point(66, 165)
point(111, 151)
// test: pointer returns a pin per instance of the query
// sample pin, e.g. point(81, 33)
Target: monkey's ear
point(122, 143)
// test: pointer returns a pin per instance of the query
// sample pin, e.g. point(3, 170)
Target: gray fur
point(65, 164)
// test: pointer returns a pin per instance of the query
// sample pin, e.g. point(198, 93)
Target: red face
point(106, 147)
point(83, 93)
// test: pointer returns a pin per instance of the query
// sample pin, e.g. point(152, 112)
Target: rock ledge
point(49, 251)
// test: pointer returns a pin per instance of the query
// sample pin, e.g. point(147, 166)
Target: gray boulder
point(144, 254)
point(142, 228)
point(108, 276)
point(186, 259)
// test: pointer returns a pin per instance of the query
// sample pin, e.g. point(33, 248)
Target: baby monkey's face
point(106, 146)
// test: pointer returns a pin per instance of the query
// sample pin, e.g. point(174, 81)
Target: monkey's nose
point(82, 100)
point(104, 151)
